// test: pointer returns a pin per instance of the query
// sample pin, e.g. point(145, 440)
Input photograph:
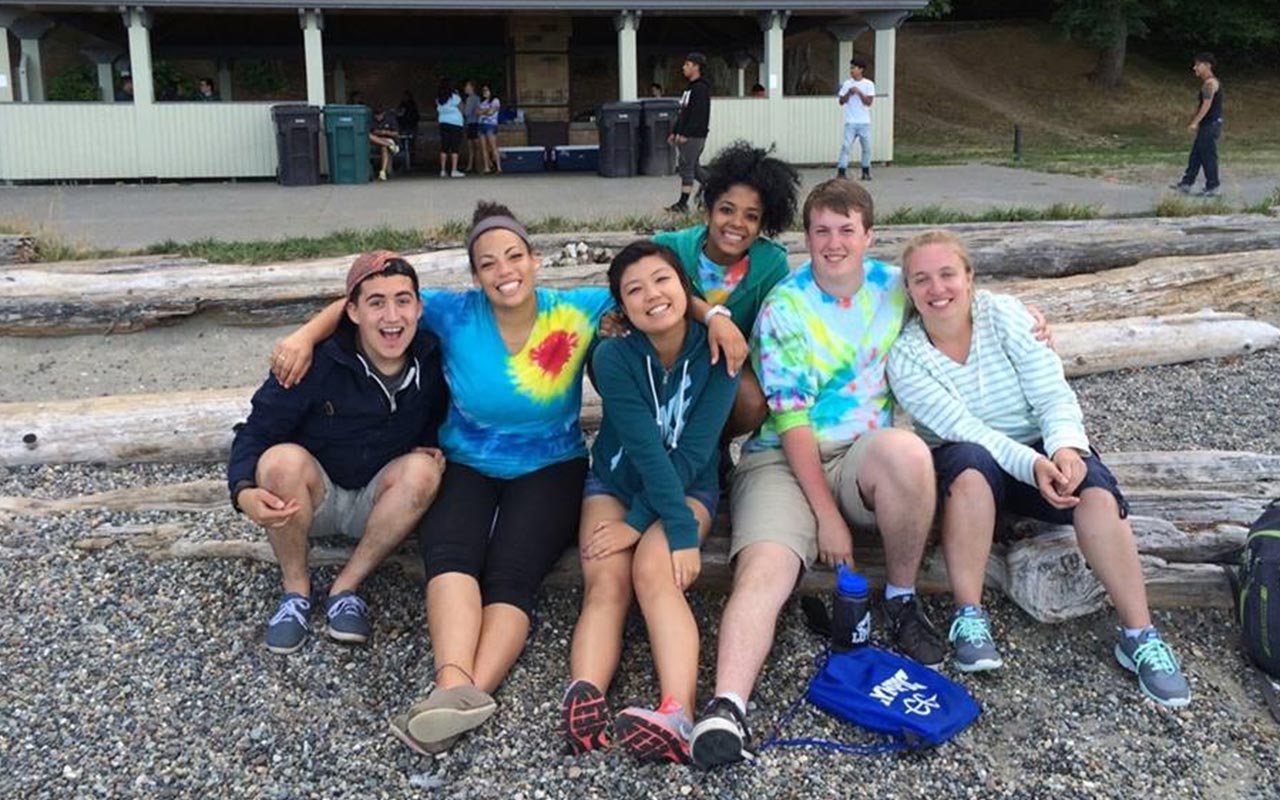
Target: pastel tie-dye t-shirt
point(510, 415)
point(719, 282)
point(821, 358)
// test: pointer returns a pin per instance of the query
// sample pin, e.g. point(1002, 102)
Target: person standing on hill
point(690, 133)
point(1207, 126)
point(856, 95)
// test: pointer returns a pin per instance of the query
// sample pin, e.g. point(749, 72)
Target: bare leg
point(291, 473)
point(968, 526)
point(606, 597)
point(1108, 545)
point(673, 632)
point(408, 486)
point(444, 160)
point(454, 619)
point(453, 159)
point(503, 631)
point(896, 478)
point(763, 579)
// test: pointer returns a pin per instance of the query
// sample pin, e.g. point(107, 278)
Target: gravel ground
point(127, 678)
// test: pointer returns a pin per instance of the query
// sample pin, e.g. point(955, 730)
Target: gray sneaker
point(1159, 674)
point(288, 627)
point(975, 650)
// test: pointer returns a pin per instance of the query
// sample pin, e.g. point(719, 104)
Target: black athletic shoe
point(840, 173)
point(911, 632)
point(720, 737)
point(866, 174)
point(584, 718)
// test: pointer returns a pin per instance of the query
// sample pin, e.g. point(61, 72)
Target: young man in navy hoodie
point(350, 450)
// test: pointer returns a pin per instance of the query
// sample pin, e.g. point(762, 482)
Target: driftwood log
point(124, 295)
point(196, 426)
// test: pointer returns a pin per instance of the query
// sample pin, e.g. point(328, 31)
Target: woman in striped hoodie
point(1008, 435)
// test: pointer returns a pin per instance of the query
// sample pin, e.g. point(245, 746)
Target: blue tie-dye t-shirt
point(510, 415)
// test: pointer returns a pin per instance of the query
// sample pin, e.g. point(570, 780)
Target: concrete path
point(131, 215)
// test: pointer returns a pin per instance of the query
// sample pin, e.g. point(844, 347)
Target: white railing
point(806, 130)
point(77, 141)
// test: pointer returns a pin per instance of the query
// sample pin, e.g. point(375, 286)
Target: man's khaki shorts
point(766, 503)
point(345, 512)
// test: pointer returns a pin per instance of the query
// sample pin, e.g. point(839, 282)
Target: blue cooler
point(577, 157)
point(523, 159)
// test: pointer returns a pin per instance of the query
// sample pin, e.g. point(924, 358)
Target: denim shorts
point(594, 486)
point(1012, 495)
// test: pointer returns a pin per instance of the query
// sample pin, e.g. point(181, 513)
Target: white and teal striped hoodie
point(1008, 394)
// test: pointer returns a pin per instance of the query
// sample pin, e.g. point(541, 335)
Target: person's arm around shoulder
point(292, 355)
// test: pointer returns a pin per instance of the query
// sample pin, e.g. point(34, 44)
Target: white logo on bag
point(887, 691)
point(921, 705)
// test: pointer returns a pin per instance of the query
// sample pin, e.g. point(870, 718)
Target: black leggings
point(507, 534)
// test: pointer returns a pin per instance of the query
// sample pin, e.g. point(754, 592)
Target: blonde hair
point(937, 236)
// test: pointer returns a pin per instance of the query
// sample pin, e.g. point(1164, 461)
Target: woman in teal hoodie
point(649, 501)
point(748, 195)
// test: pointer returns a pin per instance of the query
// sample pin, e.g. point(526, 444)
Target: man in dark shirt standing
point(1207, 126)
point(690, 134)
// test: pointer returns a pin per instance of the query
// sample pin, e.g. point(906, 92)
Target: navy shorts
point(1012, 495)
point(594, 486)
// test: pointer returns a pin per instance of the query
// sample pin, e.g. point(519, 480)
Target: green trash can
point(346, 130)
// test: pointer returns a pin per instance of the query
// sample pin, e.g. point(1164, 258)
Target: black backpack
point(1257, 585)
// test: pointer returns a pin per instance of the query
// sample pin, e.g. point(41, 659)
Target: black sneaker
point(866, 174)
point(840, 173)
point(1184, 188)
point(720, 737)
point(911, 632)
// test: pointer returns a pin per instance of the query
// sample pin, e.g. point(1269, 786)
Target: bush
point(78, 84)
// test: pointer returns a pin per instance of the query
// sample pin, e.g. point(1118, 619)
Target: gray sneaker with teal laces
point(970, 636)
point(1159, 674)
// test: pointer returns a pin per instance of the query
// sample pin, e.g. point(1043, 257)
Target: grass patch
point(1265, 205)
point(1192, 207)
point(298, 248)
point(937, 215)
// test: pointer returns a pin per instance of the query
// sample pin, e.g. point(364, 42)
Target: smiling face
point(940, 283)
point(855, 72)
point(653, 297)
point(733, 224)
point(385, 313)
point(504, 268)
point(837, 243)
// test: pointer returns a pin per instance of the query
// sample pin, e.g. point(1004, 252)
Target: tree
point(1105, 25)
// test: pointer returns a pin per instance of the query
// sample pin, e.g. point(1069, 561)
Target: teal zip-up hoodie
point(659, 438)
point(768, 266)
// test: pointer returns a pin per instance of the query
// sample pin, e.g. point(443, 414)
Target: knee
point(904, 456)
point(969, 486)
point(283, 467)
point(749, 406)
point(651, 571)
point(1095, 499)
point(417, 476)
point(763, 576)
point(611, 590)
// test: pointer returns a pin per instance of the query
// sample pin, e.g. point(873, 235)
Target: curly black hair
point(777, 182)
point(489, 208)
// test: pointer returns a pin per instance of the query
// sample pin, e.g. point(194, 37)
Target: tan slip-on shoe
point(448, 712)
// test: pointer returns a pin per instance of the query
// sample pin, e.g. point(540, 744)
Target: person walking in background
point(471, 119)
point(1206, 124)
point(449, 115)
point(856, 95)
point(487, 115)
point(692, 124)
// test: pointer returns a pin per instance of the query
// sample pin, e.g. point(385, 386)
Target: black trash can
point(657, 122)
point(619, 125)
point(297, 144)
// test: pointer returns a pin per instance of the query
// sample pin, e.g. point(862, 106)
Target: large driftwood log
point(1199, 470)
point(196, 426)
point(124, 295)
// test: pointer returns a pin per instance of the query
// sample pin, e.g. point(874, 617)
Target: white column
point(6, 72)
point(104, 57)
point(740, 62)
point(224, 80)
point(138, 21)
point(626, 23)
point(773, 23)
point(29, 31)
point(845, 33)
point(312, 23)
point(885, 24)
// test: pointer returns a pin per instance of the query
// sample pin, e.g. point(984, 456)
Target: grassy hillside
point(961, 89)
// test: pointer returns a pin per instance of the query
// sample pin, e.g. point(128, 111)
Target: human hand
point(681, 139)
point(724, 338)
point(686, 564)
point(609, 537)
point(1048, 478)
point(1192, 127)
point(1070, 463)
point(265, 508)
point(1040, 327)
point(614, 325)
point(437, 455)
point(835, 540)
point(671, 138)
point(291, 359)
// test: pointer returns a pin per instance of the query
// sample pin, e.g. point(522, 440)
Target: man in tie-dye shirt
point(827, 460)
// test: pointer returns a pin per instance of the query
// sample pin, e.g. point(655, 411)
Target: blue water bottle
point(851, 614)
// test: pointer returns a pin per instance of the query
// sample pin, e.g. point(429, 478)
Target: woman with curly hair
point(748, 195)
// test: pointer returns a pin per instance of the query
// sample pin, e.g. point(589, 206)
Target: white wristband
point(716, 311)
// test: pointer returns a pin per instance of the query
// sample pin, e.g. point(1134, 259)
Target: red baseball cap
point(367, 265)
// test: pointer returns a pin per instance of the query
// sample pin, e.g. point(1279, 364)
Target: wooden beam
point(1088, 348)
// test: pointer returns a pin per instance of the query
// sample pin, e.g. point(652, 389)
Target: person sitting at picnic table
point(383, 133)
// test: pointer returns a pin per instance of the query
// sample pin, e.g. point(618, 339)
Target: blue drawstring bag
point(910, 704)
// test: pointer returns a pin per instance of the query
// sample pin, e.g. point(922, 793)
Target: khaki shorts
point(345, 512)
point(766, 503)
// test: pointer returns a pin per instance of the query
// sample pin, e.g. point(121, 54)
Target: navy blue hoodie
point(659, 438)
point(342, 415)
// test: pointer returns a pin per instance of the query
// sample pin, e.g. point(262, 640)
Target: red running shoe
point(655, 737)
point(584, 718)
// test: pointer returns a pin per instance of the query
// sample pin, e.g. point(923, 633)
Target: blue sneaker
point(975, 649)
point(347, 618)
point(288, 628)
point(1159, 674)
